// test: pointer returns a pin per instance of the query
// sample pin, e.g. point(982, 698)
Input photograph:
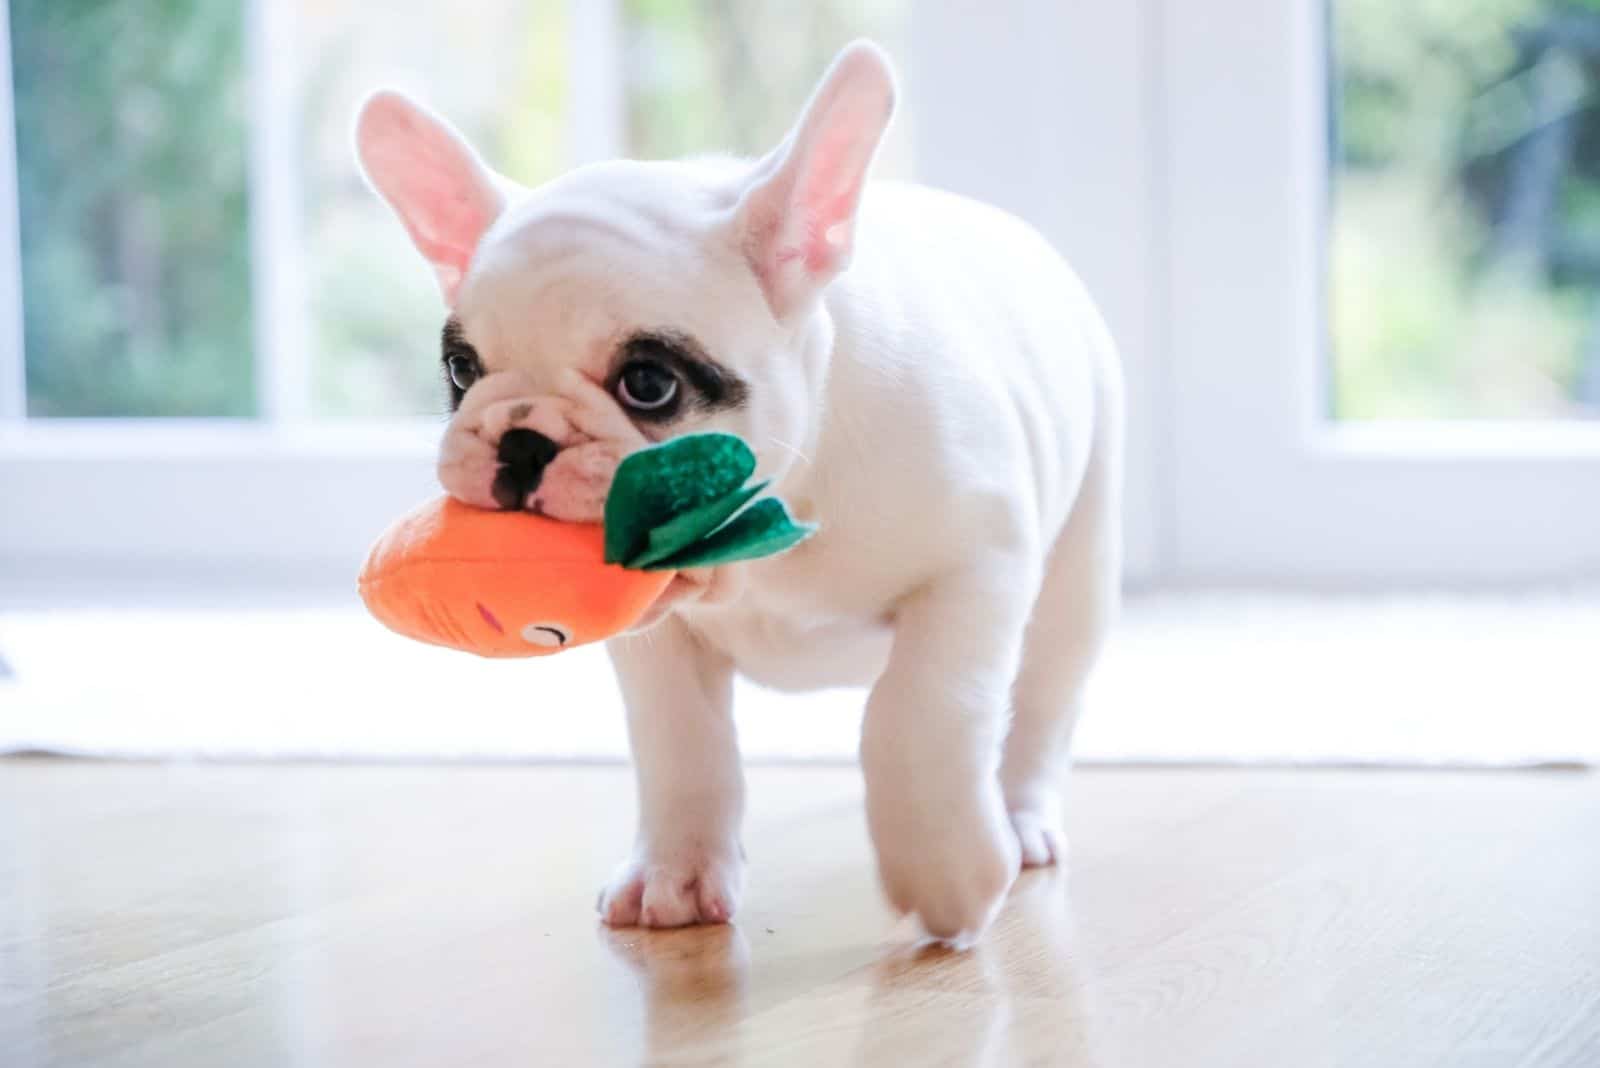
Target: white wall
point(1047, 110)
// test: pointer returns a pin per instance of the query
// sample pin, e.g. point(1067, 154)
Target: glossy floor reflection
point(201, 915)
point(910, 1000)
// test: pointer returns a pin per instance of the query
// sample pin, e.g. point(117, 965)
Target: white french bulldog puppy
point(948, 410)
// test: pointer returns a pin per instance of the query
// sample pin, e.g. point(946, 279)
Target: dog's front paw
point(674, 888)
point(951, 873)
point(1040, 834)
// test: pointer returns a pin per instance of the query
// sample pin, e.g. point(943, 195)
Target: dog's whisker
point(796, 453)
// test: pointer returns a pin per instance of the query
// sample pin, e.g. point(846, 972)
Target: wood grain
point(203, 915)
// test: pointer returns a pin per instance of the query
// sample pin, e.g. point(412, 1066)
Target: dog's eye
point(464, 371)
point(646, 386)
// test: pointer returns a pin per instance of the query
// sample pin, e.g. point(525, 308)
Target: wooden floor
point(241, 916)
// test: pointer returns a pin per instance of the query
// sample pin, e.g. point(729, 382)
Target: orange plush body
point(501, 584)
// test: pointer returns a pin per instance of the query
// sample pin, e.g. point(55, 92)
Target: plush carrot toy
point(505, 584)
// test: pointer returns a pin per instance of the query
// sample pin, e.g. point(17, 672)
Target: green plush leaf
point(763, 529)
point(679, 533)
point(657, 485)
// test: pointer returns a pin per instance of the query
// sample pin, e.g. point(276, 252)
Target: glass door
point(1383, 333)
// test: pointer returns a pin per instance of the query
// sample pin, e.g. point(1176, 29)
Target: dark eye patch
point(454, 347)
point(710, 385)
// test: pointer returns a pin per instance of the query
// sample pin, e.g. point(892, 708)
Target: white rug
point(1447, 681)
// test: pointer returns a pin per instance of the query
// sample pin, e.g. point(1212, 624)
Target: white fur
point(948, 409)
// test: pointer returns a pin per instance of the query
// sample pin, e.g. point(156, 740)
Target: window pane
point(698, 77)
point(132, 159)
point(1465, 242)
point(497, 70)
point(709, 76)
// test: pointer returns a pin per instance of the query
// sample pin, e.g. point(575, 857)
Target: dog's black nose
point(524, 454)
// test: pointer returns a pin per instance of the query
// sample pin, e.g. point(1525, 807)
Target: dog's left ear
point(796, 220)
point(434, 181)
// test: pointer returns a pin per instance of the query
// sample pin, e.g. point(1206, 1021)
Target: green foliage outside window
point(1465, 245)
point(132, 165)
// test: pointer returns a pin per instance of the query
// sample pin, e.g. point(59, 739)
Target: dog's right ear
point(796, 221)
point(432, 179)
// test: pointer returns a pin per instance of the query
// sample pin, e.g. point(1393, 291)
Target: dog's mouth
point(682, 588)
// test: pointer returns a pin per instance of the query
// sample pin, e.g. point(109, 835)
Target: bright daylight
point(603, 532)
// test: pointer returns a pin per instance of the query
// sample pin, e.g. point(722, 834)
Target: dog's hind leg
point(1076, 605)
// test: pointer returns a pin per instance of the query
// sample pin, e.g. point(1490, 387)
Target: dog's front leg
point(931, 742)
point(687, 865)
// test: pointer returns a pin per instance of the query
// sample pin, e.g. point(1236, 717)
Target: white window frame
point(1266, 488)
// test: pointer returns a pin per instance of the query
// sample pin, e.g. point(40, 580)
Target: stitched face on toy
point(628, 302)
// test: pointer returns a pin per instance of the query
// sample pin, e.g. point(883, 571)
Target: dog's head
point(629, 302)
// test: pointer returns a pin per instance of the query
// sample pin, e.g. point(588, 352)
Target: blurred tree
point(1466, 263)
point(731, 75)
point(132, 168)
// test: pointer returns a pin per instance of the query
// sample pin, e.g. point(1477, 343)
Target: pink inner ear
point(442, 193)
point(798, 218)
point(830, 186)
